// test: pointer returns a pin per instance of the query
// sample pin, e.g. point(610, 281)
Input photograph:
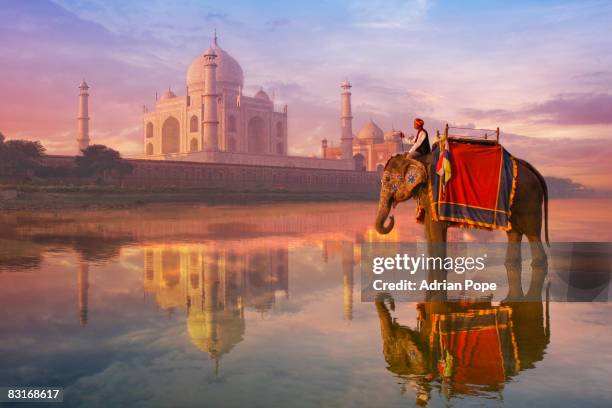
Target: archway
point(231, 145)
point(193, 145)
point(193, 124)
point(171, 140)
point(280, 149)
point(231, 123)
point(257, 141)
point(359, 162)
point(149, 131)
point(380, 168)
point(279, 130)
point(170, 268)
point(149, 149)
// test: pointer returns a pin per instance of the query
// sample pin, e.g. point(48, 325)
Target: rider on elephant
point(421, 144)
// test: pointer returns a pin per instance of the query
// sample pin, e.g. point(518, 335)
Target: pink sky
point(540, 70)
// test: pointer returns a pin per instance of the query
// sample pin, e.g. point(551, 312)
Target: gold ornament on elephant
point(402, 185)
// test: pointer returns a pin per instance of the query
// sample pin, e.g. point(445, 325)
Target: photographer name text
point(407, 264)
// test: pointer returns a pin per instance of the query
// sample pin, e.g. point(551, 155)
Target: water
point(259, 306)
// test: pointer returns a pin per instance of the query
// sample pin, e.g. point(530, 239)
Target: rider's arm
point(418, 142)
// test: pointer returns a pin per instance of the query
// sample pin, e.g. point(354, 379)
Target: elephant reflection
point(463, 347)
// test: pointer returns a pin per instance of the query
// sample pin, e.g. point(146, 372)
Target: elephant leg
point(513, 266)
point(539, 268)
point(436, 247)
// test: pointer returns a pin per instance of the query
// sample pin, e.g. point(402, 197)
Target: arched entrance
point(231, 124)
point(149, 132)
point(149, 148)
point(193, 124)
point(171, 268)
point(171, 140)
point(257, 141)
point(231, 145)
point(359, 162)
point(380, 168)
point(193, 145)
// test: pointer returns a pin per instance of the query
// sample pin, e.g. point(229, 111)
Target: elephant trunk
point(384, 208)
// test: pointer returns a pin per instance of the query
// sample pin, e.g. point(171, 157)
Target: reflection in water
point(348, 264)
point(463, 348)
point(348, 253)
point(83, 287)
point(468, 346)
point(214, 285)
point(215, 272)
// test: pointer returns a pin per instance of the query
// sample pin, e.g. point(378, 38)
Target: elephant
point(526, 217)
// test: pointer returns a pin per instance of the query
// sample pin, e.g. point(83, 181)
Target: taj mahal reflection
point(214, 286)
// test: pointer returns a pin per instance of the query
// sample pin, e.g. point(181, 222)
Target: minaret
point(346, 121)
point(324, 148)
point(83, 118)
point(210, 121)
point(83, 286)
point(348, 264)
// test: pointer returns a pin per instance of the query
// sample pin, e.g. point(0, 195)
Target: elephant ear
point(416, 173)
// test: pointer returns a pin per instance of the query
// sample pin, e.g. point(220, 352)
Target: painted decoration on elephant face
point(391, 181)
point(411, 176)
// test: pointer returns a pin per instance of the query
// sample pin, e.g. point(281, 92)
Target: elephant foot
point(535, 296)
point(512, 297)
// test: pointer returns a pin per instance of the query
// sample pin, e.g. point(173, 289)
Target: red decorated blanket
point(480, 189)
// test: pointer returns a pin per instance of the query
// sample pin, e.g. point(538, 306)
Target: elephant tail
point(544, 191)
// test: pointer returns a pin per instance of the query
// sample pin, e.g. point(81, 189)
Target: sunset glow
point(539, 71)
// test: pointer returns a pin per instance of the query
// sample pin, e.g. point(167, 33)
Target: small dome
point(392, 136)
point(372, 132)
point(167, 95)
point(83, 85)
point(262, 95)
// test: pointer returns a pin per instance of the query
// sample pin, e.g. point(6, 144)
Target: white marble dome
point(392, 136)
point(371, 131)
point(229, 71)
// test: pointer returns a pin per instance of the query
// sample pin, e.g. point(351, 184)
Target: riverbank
point(35, 197)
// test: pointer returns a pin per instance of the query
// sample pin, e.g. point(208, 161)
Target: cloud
point(405, 59)
point(277, 23)
point(565, 109)
point(595, 77)
point(575, 109)
point(388, 14)
point(496, 115)
point(586, 161)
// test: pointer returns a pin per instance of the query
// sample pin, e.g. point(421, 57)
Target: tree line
point(23, 160)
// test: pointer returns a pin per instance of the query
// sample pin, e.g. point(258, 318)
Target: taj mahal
point(215, 122)
point(215, 115)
